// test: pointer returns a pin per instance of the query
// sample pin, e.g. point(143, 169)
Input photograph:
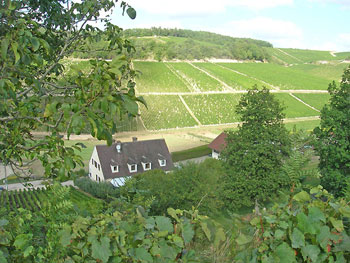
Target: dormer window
point(115, 168)
point(132, 168)
point(147, 166)
point(162, 162)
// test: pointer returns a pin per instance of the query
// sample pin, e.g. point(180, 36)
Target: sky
point(305, 24)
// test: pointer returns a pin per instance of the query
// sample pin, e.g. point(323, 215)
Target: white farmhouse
point(123, 159)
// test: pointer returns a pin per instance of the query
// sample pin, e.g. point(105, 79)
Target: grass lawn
point(315, 100)
point(295, 108)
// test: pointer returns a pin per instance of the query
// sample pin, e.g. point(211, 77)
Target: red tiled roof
point(219, 143)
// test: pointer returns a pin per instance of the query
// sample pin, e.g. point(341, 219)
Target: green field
point(156, 77)
point(280, 57)
point(198, 80)
point(295, 108)
point(327, 71)
point(305, 125)
point(213, 108)
point(234, 80)
point(165, 111)
point(315, 100)
point(305, 55)
point(280, 76)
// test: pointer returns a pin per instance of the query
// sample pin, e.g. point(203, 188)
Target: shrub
point(102, 190)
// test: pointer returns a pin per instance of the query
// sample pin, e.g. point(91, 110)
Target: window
point(115, 168)
point(162, 162)
point(132, 168)
point(95, 164)
point(99, 167)
point(147, 166)
point(92, 161)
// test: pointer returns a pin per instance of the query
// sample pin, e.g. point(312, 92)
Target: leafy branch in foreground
point(35, 36)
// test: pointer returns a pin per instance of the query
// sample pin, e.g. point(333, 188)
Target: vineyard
point(35, 199)
point(188, 94)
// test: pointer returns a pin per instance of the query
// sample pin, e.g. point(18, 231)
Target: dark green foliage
point(102, 190)
point(191, 153)
point(184, 44)
point(197, 185)
point(307, 227)
point(56, 233)
point(333, 137)
point(34, 37)
point(255, 151)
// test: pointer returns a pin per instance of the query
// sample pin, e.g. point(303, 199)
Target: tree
point(254, 153)
point(35, 36)
point(333, 137)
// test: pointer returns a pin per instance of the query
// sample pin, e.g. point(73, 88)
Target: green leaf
point(28, 251)
point(285, 253)
point(164, 224)
point(297, 238)
point(345, 211)
point(4, 47)
point(150, 223)
point(21, 240)
point(310, 252)
point(315, 214)
point(243, 239)
point(323, 237)
point(101, 250)
point(14, 49)
point(187, 232)
point(3, 222)
point(35, 43)
point(206, 230)
point(302, 197)
point(178, 241)
point(2, 257)
point(338, 224)
point(143, 255)
point(131, 106)
point(305, 224)
point(131, 12)
point(65, 236)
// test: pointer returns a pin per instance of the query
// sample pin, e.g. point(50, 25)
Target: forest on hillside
point(180, 44)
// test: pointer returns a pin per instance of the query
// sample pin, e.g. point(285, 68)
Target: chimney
point(119, 146)
point(134, 139)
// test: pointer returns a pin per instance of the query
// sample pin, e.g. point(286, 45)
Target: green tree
point(35, 36)
point(333, 137)
point(255, 151)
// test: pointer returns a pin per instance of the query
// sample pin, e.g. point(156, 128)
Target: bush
point(190, 185)
point(102, 190)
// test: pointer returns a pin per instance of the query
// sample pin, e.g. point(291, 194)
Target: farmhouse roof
point(135, 152)
point(219, 143)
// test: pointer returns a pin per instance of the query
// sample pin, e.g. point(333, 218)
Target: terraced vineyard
point(213, 108)
point(188, 94)
point(157, 77)
point(282, 77)
point(33, 200)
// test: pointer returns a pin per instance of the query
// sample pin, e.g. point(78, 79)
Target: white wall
point(93, 171)
point(214, 154)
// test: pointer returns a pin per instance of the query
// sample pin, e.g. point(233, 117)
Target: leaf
point(131, 12)
point(206, 230)
point(323, 237)
point(14, 49)
point(297, 238)
point(164, 224)
point(101, 250)
point(285, 253)
point(2, 257)
point(178, 241)
point(143, 255)
point(345, 211)
point(187, 232)
point(315, 214)
point(310, 252)
point(130, 106)
point(243, 239)
point(3, 222)
point(150, 223)
point(279, 234)
point(302, 197)
point(35, 43)
point(21, 240)
point(305, 224)
point(65, 236)
point(28, 251)
point(338, 224)
point(4, 47)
